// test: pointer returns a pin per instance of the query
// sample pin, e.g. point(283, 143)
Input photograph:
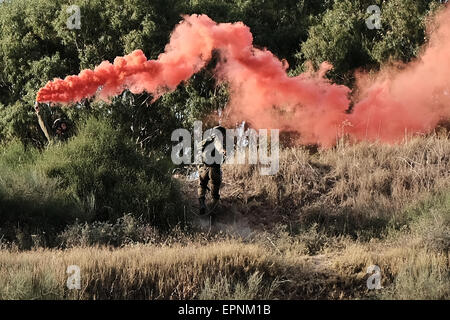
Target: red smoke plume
point(392, 104)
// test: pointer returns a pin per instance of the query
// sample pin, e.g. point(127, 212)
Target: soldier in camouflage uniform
point(209, 170)
point(59, 130)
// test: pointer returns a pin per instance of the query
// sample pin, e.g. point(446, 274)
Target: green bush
point(106, 172)
point(100, 174)
point(30, 201)
point(125, 230)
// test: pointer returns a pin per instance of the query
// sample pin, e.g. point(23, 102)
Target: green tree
point(110, 176)
point(339, 37)
point(403, 30)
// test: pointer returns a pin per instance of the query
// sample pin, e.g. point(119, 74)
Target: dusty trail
point(229, 216)
point(241, 215)
point(241, 209)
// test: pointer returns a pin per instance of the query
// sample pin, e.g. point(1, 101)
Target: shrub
point(31, 202)
point(100, 174)
point(125, 230)
point(109, 176)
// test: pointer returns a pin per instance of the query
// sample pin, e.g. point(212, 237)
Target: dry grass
point(354, 190)
point(407, 272)
point(327, 217)
point(228, 270)
point(150, 272)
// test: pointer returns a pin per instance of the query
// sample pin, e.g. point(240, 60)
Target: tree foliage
point(117, 162)
point(37, 46)
point(341, 36)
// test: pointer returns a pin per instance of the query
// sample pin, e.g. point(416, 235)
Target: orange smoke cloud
point(407, 101)
point(393, 103)
point(189, 49)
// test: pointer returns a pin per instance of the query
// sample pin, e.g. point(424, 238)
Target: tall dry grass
point(331, 215)
point(234, 269)
point(148, 272)
point(351, 189)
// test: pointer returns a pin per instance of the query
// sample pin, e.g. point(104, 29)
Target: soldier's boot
point(202, 204)
point(215, 203)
